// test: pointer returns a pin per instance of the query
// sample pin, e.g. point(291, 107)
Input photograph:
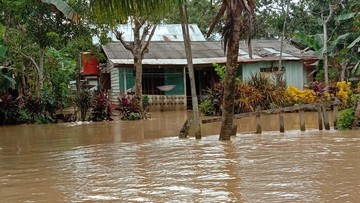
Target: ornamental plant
point(9, 110)
point(343, 93)
point(128, 107)
point(295, 96)
point(101, 108)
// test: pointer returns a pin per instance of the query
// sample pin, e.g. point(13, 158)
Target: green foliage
point(145, 101)
point(9, 110)
point(346, 119)
point(221, 72)
point(40, 109)
point(62, 72)
point(354, 99)
point(83, 101)
point(206, 107)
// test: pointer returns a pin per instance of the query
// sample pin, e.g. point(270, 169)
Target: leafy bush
point(247, 98)
point(9, 110)
point(101, 109)
point(272, 94)
point(40, 109)
point(83, 101)
point(206, 107)
point(145, 101)
point(344, 93)
point(295, 96)
point(128, 107)
point(346, 119)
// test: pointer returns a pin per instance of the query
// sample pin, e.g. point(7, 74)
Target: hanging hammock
point(165, 88)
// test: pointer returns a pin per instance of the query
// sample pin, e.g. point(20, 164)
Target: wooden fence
point(323, 115)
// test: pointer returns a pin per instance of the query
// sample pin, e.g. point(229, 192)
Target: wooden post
point(184, 132)
point(319, 114)
point(234, 129)
point(258, 123)
point(302, 120)
point(335, 114)
point(326, 118)
point(281, 122)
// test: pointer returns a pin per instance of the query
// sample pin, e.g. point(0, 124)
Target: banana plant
point(4, 79)
point(65, 9)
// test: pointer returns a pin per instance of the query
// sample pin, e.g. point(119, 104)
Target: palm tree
point(187, 43)
point(143, 15)
point(239, 16)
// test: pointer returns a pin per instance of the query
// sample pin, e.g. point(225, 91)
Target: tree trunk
point(138, 63)
point(41, 68)
point(326, 63)
point(229, 83)
point(188, 51)
point(325, 20)
point(279, 72)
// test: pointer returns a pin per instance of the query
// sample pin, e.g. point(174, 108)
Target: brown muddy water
point(144, 161)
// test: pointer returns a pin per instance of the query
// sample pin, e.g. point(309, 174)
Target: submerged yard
point(144, 161)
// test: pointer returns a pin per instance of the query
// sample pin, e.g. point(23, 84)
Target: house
point(165, 77)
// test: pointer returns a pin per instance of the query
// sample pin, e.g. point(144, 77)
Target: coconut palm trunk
point(188, 51)
point(229, 83)
point(239, 14)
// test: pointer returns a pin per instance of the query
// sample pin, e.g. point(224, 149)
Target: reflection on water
point(119, 162)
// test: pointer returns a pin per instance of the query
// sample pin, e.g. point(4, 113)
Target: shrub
point(346, 118)
point(272, 94)
point(40, 109)
point(101, 108)
point(206, 107)
point(145, 101)
point(83, 101)
point(128, 107)
point(9, 110)
point(344, 93)
point(295, 96)
point(247, 98)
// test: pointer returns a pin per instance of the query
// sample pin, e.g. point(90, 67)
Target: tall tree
point(187, 43)
point(32, 27)
point(239, 17)
point(143, 15)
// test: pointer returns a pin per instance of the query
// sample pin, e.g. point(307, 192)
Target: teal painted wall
point(174, 76)
point(130, 81)
point(293, 71)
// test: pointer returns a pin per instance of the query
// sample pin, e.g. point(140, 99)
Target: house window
point(152, 77)
point(270, 72)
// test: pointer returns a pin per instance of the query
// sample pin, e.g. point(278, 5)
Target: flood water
point(144, 161)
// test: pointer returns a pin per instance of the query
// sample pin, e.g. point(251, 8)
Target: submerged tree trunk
point(229, 83)
point(188, 51)
point(138, 63)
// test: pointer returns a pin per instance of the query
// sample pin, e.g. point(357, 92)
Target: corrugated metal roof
point(204, 52)
point(163, 32)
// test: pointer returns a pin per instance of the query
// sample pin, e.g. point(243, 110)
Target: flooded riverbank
point(144, 161)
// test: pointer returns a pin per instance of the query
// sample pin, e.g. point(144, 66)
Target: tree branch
point(31, 59)
point(146, 47)
point(217, 19)
point(128, 46)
